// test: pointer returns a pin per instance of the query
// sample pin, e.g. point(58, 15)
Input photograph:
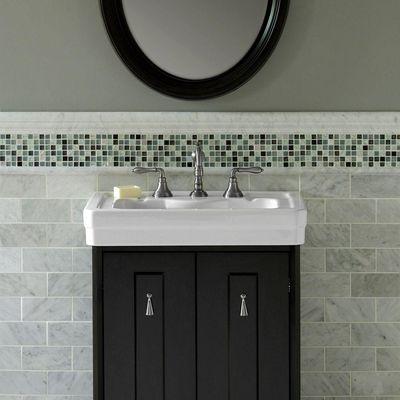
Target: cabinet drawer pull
point(243, 306)
point(149, 307)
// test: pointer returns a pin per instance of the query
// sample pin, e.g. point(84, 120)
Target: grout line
point(350, 185)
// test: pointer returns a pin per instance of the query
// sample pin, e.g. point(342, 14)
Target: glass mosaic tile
point(223, 150)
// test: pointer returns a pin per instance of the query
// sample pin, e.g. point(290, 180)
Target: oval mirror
point(194, 49)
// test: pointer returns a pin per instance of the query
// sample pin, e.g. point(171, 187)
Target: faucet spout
point(198, 160)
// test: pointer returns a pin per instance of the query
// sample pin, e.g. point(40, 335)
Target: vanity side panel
point(294, 301)
point(98, 364)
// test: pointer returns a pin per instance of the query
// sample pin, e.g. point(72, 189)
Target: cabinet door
point(149, 357)
point(243, 326)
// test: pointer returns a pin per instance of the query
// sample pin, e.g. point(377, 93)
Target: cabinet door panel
point(243, 356)
point(149, 357)
point(149, 337)
point(243, 336)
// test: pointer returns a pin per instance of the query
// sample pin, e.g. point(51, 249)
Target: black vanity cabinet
point(196, 323)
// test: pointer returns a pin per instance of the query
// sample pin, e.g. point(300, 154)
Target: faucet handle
point(144, 170)
point(249, 170)
point(162, 189)
point(233, 187)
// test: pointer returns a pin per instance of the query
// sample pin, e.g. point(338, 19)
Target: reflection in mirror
point(195, 39)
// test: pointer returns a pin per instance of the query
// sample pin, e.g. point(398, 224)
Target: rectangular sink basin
point(258, 218)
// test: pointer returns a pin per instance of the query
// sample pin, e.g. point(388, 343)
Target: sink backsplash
point(269, 150)
point(350, 262)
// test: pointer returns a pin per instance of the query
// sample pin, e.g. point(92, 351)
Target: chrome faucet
point(198, 160)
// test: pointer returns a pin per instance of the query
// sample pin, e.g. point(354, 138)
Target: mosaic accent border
point(268, 150)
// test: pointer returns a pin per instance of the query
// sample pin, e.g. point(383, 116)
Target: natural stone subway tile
point(10, 259)
point(388, 359)
point(10, 210)
point(350, 359)
point(82, 260)
point(23, 186)
point(82, 309)
point(69, 284)
point(107, 182)
point(350, 398)
point(10, 358)
point(22, 284)
point(57, 397)
point(350, 211)
point(325, 185)
point(47, 260)
point(22, 382)
point(329, 235)
point(376, 383)
point(388, 260)
point(350, 260)
point(375, 334)
point(269, 182)
point(10, 309)
point(70, 333)
point(375, 285)
point(45, 309)
point(325, 334)
point(66, 397)
point(46, 210)
point(375, 185)
point(22, 333)
point(350, 310)
point(181, 181)
point(385, 398)
point(370, 235)
point(312, 359)
point(71, 186)
point(70, 383)
point(315, 398)
point(312, 260)
point(219, 182)
point(46, 358)
point(83, 358)
point(315, 210)
point(388, 310)
point(325, 384)
point(312, 310)
point(28, 235)
point(77, 207)
point(388, 210)
point(66, 235)
point(325, 284)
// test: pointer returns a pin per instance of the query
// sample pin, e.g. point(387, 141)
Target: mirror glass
point(195, 39)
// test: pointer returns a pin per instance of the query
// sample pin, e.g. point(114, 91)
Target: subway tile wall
point(350, 307)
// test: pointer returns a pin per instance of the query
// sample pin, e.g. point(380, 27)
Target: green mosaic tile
point(225, 150)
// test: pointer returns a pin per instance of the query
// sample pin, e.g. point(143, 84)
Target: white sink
point(259, 218)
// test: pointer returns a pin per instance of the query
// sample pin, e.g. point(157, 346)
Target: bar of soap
point(127, 192)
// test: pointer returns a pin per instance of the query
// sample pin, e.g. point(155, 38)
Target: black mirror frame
point(190, 89)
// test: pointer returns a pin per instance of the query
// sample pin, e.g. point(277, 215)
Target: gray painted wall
point(334, 55)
